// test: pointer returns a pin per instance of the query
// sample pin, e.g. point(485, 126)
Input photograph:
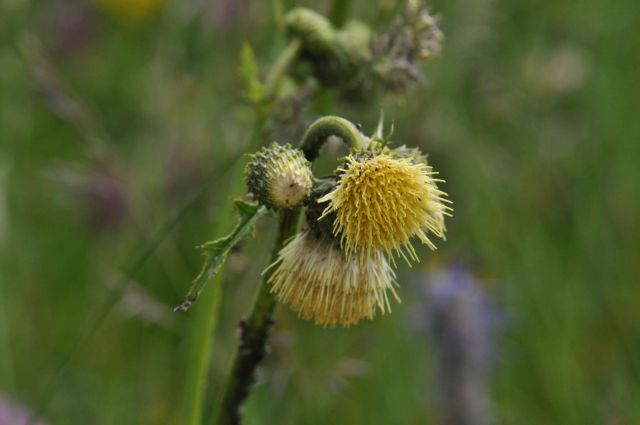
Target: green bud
point(315, 31)
point(279, 176)
point(338, 57)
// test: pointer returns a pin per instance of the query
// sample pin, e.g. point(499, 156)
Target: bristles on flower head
point(279, 176)
point(319, 282)
point(383, 199)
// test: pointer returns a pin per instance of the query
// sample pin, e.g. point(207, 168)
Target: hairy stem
point(255, 331)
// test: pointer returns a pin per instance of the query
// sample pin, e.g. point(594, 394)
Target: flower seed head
point(413, 38)
point(318, 281)
point(382, 200)
point(279, 176)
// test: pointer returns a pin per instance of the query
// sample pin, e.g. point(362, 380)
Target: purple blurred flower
point(103, 192)
point(464, 325)
point(186, 166)
point(14, 413)
point(70, 26)
point(228, 13)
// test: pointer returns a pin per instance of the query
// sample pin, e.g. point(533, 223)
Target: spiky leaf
point(215, 252)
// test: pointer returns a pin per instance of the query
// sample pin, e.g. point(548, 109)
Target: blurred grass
point(530, 116)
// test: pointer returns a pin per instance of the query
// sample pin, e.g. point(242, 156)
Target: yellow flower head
point(319, 282)
point(382, 199)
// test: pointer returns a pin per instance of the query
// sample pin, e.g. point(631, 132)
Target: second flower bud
point(279, 176)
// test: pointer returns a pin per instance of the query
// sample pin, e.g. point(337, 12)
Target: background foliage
point(113, 114)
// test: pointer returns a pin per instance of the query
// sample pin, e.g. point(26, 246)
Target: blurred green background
point(113, 114)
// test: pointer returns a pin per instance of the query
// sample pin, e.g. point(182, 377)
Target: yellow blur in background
point(132, 10)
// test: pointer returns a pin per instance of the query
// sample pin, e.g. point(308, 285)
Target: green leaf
point(215, 252)
point(378, 133)
point(255, 88)
point(278, 14)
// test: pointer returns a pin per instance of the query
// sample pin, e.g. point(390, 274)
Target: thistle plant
point(336, 268)
point(382, 199)
point(315, 277)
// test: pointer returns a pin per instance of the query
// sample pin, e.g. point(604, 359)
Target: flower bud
point(337, 56)
point(315, 31)
point(279, 176)
point(318, 281)
point(383, 199)
point(414, 38)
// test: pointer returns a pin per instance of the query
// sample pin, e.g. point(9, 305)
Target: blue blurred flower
point(464, 325)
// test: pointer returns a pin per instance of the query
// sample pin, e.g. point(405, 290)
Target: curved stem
point(255, 331)
point(322, 128)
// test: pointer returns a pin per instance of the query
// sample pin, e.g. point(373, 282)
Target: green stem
point(199, 341)
point(255, 331)
point(199, 336)
point(281, 66)
point(200, 328)
point(322, 128)
point(201, 322)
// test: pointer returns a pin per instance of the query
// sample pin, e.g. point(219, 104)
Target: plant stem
point(281, 66)
point(200, 328)
point(324, 127)
point(255, 331)
point(199, 336)
point(201, 323)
